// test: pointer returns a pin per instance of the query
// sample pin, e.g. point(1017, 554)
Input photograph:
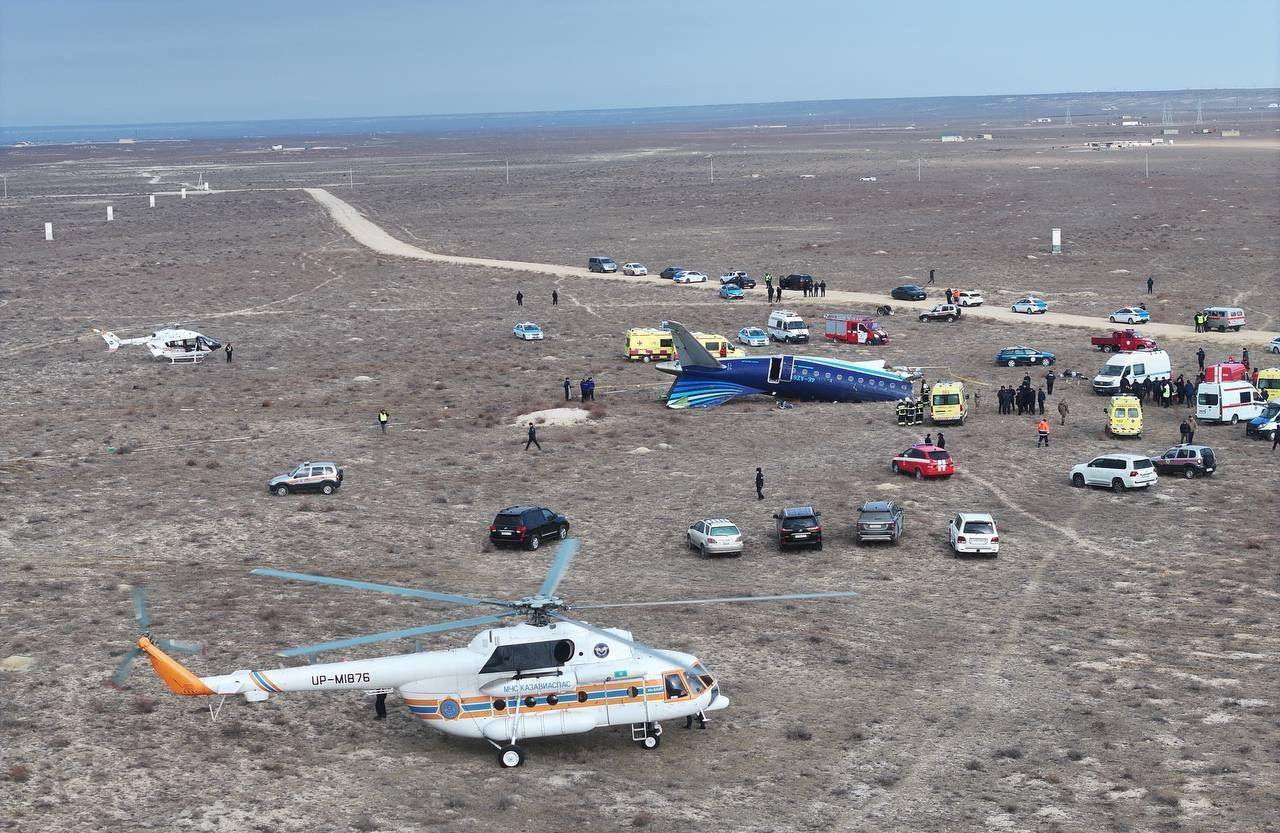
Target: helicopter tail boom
point(173, 673)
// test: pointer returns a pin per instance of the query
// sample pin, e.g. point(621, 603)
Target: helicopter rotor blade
point(381, 588)
point(401, 634)
point(564, 555)
point(723, 600)
point(181, 646)
point(140, 609)
point(635, 646)
point(122, 670)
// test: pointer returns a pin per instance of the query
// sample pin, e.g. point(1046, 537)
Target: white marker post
point(1057, 241)
point(153, 200)
point(110, 214)
point(48, 231)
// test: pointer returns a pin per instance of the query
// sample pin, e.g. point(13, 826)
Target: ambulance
point(718, 346)
point(946, 403)
point(1124, 417)
point(649, 344)
point(1269, 383)
point(1228, 402)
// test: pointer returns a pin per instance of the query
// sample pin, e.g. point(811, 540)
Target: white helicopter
point(172, 343)
point(551, 675)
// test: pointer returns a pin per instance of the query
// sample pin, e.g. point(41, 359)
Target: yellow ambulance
point(946, 403)
point(649, 344)
point(719, 346)
point(1124, 417)
point(1269, 383)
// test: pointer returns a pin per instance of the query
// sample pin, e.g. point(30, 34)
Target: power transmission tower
point(1068, 115)
point(1199, 113)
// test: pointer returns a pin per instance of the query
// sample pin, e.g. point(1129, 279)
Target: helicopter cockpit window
point(696, 686)
point(675, 687)
point(529, 656)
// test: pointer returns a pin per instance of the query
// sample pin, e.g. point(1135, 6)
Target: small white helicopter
point(551, 675)
point(172, 343)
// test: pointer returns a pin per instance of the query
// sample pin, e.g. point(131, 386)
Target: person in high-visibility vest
point(1042, 433)
point(902, 412)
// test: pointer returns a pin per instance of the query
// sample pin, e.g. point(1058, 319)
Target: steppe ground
point(1114, 669)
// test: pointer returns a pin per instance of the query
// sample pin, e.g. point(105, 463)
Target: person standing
point(1192, 424)
point(759, 484)
point(582, 389)
point(383, 419)
point(1189, 393)
point(769, 289)
point(533, 438)
point(1042, 433)
point(699, 716)
point(519, 298)
point(227, 350)
point(1183, 431)
point(591, 389)
point(1151, 282)
point(928, 439)
point(942, 441)
point(1040, 400)
point(1200, 358)
point(1049, 379)
point(1063, 410)
point(568, 389)
point(1244, 357)
point(930, 278)
point(555, 298)
point(380, 706)
point(822, 287)
point(777, 293)
point(1275, 440)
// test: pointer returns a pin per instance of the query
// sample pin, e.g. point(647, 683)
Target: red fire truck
point(853, 329)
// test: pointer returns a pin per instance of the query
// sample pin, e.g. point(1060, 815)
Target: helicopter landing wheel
point(649, 742)
point(510, 756)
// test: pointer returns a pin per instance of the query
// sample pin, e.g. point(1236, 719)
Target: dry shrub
point(266, 403)
point(144, 705)
point(1165, 796)
point(19, 774)
point(1011, 752)
point(191, 461)
point(213, 464)
point(642, 819)
point(797, 731)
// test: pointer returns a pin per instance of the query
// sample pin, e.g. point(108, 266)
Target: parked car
point(1122, 341)
point(690, 276)
point(879, 520)
point(1129, 315)
point(924, 461)
point(1187, 460)
point(1274, 346)
point(1031, 306)
point(968, 298)
point(634, 269)
point(1016, 356)
point(798, 282)
point(974, 532)
point(732, 292)
point(1224, 318)
point(671, 271)
point(715, 536)
point(739, 279)
point(601, 264)
point(527, 331)
point(798, 526)
point(753, 337)
point(941, 312)
point(908, 292)
point(323, 477)
point(1118, 471)
point(528, 526)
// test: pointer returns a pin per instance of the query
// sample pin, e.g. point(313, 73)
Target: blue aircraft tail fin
point(692, 353)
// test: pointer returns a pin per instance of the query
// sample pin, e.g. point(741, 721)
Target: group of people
point(816, 289)
point(1187, 430)
point(586, 389)
point(911, 411)
point(1163, 392)
point(1025, 398)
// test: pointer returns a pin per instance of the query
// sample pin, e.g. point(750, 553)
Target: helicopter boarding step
point(186, 358)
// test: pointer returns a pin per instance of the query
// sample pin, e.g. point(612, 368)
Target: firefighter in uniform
point(902, 412)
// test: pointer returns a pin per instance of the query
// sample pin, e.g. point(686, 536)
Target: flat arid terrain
point(1114, 669)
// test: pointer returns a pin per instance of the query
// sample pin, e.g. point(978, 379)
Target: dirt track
point(370, 234)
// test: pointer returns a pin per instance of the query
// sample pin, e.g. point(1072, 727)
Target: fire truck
point(853, 329)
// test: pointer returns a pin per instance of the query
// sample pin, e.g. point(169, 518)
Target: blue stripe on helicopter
point(540, 701)
point(262, 682)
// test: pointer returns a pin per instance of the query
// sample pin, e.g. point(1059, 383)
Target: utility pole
point(6, 185)
point(351, 179)
point(712, 160)
point(1068, 115)
point(919, 165)
point(1199, 112)
point(508, 160)
point(1148, 173)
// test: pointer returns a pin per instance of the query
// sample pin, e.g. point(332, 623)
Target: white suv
point(715, 536)
point(1119, 471)
point(974, 532)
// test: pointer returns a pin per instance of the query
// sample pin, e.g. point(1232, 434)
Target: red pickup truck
point(1123, 340)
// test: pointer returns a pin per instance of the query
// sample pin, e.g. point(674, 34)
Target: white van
point(1136, 366)
point(1228, 402)
point(787, 327)
point(1224, 318)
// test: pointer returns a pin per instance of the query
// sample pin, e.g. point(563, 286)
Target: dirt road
point(369, 234)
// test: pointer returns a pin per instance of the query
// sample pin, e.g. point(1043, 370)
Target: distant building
point(1130, 121)
point(952, 137)
point(1043, 120)
point(1227, 133)
point(986, 136)
point(1168, 131)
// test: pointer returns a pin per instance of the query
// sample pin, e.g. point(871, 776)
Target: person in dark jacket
point(533, 438)
point(942, 441)
point(380, 706)
point(555, 298)
point(519, 298)
point(228, 351)
point(1200, 358)
point(1049, 379)
point(1040, 400)
point(759, 484)
point(568, 389)
point(1183, 431)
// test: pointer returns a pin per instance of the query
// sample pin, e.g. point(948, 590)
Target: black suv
point(796, 282)
point(908, 292)
point(670, 272)
point(798, 526)
point(527, 526)
point(879, 520)
point(741, 281)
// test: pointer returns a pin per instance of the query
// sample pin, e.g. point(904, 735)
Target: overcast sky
point(130, 61)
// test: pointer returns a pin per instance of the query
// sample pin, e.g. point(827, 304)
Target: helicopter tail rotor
point(143, 618)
